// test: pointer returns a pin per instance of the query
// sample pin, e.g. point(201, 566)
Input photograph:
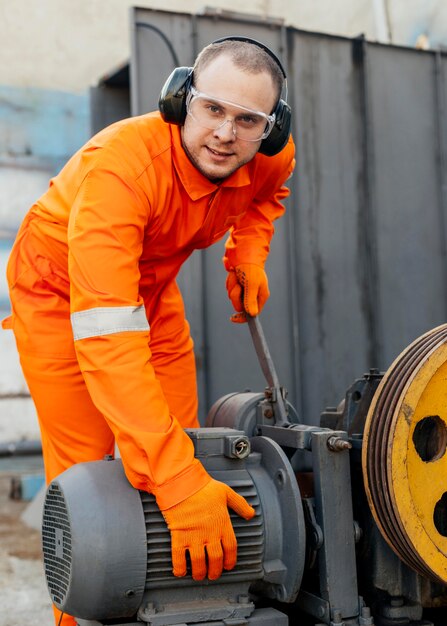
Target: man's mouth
point(219, 153)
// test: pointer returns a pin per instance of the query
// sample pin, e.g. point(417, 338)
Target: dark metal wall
point(357, 266)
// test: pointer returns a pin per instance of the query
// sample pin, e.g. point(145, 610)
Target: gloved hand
point(248, 290)
point(202, 523)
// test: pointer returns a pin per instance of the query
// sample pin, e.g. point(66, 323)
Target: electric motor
point(107, 551)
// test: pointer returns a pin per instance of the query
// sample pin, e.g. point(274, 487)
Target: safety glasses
point(213, 113)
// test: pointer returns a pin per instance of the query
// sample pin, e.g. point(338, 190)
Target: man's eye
point(248, 120)
point(214, 108)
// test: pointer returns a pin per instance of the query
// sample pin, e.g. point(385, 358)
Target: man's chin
point(215, 173)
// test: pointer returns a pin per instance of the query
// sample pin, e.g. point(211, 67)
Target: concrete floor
point(24, 598)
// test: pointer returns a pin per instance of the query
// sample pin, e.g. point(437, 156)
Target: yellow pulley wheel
point(404, 455)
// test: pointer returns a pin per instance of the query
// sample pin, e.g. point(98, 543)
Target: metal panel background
point(330, 223)
point(110, 99)
point(357, 266)
point(409, 222)
point(107, 105)
point(160, 42)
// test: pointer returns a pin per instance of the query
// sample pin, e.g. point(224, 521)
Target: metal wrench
point(268, 369)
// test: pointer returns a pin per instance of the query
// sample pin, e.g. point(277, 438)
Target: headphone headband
point(255, 42)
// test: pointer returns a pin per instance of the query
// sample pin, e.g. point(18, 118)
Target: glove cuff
point(182, 486)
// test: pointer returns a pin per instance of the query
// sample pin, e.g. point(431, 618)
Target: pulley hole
point(440, 515)
point(356, 396)
point(430, 438)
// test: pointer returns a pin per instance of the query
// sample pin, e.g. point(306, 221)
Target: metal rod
point(262, 350)
point(267, 365)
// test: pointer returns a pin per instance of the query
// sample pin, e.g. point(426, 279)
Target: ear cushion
point(172, 100)
point(279, 135)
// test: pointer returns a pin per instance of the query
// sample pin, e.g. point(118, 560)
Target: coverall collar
point(196, 185)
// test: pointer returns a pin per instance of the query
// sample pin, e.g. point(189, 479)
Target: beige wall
point(66, 45)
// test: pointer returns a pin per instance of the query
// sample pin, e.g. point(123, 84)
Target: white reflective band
point(107, 321)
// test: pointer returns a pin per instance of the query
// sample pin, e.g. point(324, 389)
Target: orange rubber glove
point(248, 290)
point(201, 525)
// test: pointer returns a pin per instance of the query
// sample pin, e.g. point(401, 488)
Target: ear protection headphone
point(172, 101)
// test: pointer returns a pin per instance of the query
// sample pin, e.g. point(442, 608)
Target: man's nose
point(226, 132)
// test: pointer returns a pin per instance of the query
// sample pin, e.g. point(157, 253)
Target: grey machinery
point(332, 540)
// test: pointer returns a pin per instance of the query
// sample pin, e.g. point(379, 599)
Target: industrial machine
point(351, 515)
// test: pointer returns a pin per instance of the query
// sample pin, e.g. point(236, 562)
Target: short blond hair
point(245, 55)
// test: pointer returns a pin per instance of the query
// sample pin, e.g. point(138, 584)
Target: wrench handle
point(266, 363)
point(262, 351)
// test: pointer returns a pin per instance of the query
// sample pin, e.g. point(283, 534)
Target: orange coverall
point(96, 311)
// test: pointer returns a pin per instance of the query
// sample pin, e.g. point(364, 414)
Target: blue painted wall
point(39, 130)
point(43, 124)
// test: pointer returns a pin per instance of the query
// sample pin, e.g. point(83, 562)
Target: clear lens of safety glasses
point(211, 113)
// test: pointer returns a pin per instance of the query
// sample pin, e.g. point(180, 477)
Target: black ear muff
point(279, 135)
point(172, 100)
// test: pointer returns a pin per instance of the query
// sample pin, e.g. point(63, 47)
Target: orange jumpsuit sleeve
point(249, 240)
point(111, 334)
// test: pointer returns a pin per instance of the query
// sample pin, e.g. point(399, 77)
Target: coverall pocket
point(41, 313)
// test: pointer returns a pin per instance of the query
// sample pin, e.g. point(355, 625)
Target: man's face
point(218, 153)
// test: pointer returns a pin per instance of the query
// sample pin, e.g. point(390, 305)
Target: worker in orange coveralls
point(97, 315)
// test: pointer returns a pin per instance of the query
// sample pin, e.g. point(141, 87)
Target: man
point(96, 311)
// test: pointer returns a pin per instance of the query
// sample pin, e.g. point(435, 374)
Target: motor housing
point(107, 547)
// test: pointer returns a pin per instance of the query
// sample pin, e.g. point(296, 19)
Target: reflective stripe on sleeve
point(107, 321)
